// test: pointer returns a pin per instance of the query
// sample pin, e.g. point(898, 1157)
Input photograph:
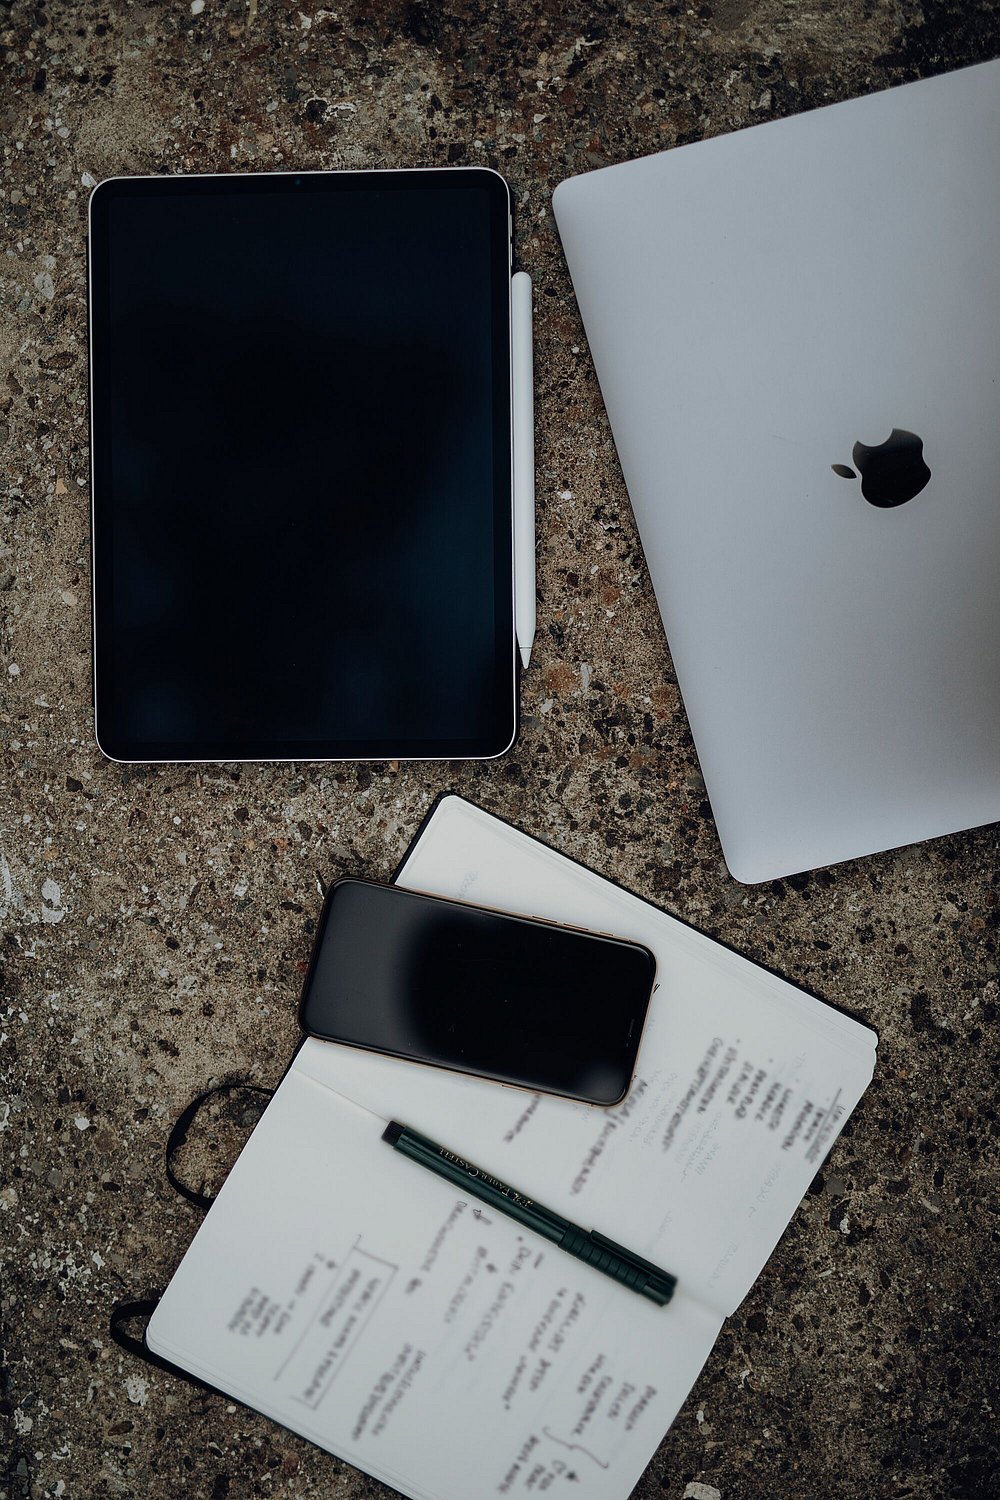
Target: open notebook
point(362, 1302)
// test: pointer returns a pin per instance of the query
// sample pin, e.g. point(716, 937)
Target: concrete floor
point(156, 922)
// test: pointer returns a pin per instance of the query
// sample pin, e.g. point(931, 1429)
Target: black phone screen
point(301, 443)
point(520, 1001)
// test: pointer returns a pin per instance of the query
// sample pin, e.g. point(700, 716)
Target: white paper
point(366, 1304)
point(363, 1302)
point(741, 1086)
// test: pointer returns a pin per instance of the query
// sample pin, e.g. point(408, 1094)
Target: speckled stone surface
point(156, 922)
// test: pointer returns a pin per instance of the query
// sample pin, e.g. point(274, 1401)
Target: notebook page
point(742, 1084)
point(361, 1301)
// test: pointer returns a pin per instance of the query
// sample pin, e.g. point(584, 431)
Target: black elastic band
point(127, 1312)
point(179, 1134)
point(135, 1344)
point(143, 1308)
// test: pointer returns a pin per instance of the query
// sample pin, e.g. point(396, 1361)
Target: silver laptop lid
point(757, 305)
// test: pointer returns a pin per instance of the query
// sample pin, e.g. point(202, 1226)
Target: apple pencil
point(523, 436)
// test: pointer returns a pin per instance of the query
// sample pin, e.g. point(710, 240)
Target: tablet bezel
point(458, 179)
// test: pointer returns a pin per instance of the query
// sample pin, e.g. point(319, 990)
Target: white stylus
point(523, 435)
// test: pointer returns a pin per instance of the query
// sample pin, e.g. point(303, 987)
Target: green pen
point(587, 1245)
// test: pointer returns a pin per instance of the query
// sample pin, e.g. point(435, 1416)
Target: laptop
point(796, 329)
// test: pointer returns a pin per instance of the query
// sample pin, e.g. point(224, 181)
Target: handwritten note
point(433, 1341)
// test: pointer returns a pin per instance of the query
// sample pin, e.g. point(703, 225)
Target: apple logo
point(891, 473)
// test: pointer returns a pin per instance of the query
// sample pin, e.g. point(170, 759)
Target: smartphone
point(514, 999)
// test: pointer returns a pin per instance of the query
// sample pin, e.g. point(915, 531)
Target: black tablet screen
point(302, 466)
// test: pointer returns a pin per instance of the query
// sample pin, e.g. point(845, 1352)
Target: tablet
point(301, 449)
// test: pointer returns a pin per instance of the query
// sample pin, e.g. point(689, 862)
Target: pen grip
point(615, 1261)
